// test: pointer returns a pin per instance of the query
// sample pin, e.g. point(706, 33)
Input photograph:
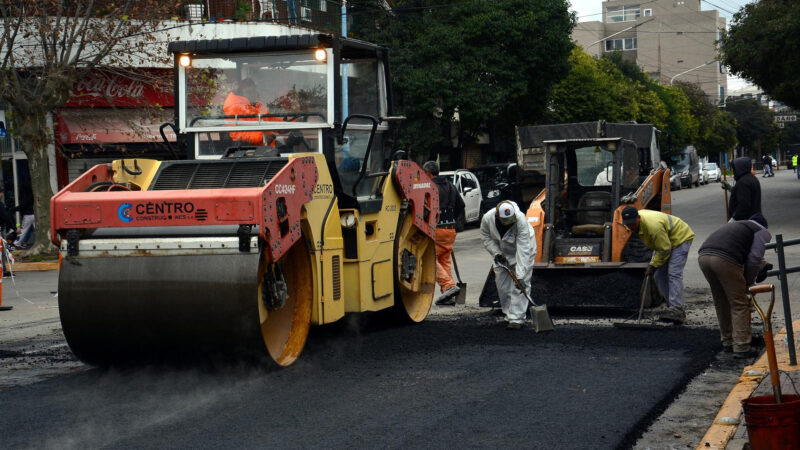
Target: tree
point(586, 94)
point(756, 128)
point(49, 45)
point(763, 46)
point(716, 131)
point(482, 62)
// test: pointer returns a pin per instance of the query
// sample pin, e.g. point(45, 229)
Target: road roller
point(284, 205)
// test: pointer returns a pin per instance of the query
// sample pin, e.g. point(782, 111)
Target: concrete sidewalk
point(728, 430)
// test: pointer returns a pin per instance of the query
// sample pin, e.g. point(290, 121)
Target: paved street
point(458, 379)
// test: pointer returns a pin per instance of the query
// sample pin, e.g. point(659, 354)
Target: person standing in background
point(745, 199)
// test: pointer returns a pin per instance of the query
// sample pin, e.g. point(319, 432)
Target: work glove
point(762, 274)
point(650, 270)
point(725, 185)
point(500, 260)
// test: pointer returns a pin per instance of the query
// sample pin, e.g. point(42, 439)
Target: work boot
point(674, 315)
point(448, 297)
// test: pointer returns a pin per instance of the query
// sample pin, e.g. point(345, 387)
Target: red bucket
point(770, 425)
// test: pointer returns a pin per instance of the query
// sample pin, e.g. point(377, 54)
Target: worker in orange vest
point(238, 104)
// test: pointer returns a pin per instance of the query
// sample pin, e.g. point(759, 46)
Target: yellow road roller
point(284, 206)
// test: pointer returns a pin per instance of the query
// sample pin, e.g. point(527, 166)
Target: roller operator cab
point(289, 210)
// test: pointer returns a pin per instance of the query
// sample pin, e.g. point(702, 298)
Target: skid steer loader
point(586, 257)
point(288, 216)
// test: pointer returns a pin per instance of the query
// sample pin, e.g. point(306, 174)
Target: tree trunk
point(34, 144)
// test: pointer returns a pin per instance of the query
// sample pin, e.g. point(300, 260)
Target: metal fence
point(323, 15)
point(781, 273)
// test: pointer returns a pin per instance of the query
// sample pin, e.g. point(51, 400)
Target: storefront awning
point(112, 126)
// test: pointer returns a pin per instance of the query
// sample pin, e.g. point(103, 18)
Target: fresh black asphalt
point(463, 382)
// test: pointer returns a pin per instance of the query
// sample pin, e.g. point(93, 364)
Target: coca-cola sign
point(146, 88)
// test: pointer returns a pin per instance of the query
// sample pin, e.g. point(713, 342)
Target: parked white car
point(713, 173)
point(470, 189)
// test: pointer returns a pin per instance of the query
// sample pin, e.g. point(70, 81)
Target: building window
point(623, 13)
point(721, 67)
point(323, 5)
point(722, 92)
point(648, 12)
point(620, 44)
point(305, 14)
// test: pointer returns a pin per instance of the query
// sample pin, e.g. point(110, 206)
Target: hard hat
point(506, 213)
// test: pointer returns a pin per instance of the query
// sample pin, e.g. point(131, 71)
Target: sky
point(589, 10)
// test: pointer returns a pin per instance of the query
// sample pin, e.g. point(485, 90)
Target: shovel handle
point(518, 284)
point(769, 341)
point(455, 265)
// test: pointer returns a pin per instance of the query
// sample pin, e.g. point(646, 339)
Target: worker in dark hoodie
point(745, 199)
point(451, 205)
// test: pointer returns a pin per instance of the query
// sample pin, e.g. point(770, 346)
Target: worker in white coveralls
point(507, 235)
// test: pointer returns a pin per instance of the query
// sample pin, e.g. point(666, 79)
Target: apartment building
point(671, 40)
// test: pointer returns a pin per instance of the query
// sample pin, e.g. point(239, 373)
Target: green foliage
point(586, 94)
point(491, 62)
point(716, 129)
point(763, 46)
point(241, 8)
point(614, 90)
point(790, 134)
point(757, 129)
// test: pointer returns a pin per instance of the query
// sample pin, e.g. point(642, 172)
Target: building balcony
point(322, 15)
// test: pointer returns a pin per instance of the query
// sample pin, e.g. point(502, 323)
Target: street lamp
point(694, 68)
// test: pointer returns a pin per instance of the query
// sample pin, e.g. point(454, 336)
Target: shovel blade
point(461, 297)
point(541, 319)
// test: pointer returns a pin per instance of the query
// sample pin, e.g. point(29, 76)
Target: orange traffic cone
point(2, 270)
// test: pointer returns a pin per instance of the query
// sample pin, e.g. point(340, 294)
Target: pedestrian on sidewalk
point(745, 199)
point(25, 207)
point(509, 238)
point(766, 160)
point(670, 239)
point(451, 205)
point(731, 258)
point(794, 165)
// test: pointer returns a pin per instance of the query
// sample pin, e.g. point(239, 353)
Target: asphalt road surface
point(458, 379)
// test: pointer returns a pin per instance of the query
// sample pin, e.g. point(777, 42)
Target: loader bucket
point(610, 285)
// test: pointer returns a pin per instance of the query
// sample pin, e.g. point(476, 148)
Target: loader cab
point(268, 97)
point(586, 178)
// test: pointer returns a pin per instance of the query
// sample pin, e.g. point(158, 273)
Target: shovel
point(461, 297)
point(769, 343)
point(539, 315)
point(645, 295)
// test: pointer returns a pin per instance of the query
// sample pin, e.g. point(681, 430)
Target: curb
point(34, 266)
point(729, 417)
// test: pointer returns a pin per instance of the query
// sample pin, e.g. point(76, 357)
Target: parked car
point(470, 189)
point(713, 173)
